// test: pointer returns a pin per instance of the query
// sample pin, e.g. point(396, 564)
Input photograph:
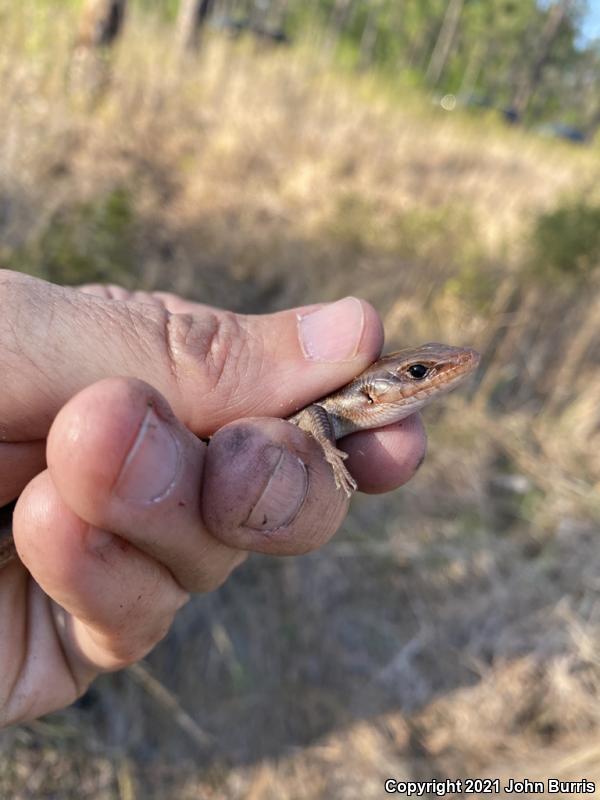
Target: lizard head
point(408, 378)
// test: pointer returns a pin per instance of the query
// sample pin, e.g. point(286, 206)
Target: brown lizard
point(392, 388)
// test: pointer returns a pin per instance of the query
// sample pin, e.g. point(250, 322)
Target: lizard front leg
point(315, 420)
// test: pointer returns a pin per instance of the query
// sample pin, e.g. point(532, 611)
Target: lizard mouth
point(466, 361)
point(469, 357)
point(463, 364)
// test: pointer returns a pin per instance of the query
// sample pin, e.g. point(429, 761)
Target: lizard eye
point(417, 371)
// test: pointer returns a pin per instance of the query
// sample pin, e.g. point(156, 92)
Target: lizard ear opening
point(375, 389)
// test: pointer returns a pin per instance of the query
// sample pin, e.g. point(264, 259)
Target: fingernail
point(332, 333)
point(152, 466)
point(283, 494)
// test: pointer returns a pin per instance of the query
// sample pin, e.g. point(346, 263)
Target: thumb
point(213, 366)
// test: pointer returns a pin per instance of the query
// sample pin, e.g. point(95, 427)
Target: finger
point(123, 601)
point(19, 462)
point(124, 464)
point(268, 488)
point(172, 302)
point(382, 460)
point(168, 300)
point(212, 366)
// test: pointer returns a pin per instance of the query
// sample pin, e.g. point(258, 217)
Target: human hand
point(133, 511)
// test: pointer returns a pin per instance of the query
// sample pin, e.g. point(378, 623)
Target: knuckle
point(208, 353)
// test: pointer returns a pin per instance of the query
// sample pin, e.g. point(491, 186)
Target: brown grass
point(451, 628)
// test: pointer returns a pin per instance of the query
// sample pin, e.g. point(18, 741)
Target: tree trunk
point(193, 15)
point(532, 77)
point(368, 40)
point(101, 22)
point(281, 14)
point(336, 23)
point(593, 125)
point(445, 40)
point(472, 71)
point(100, 25)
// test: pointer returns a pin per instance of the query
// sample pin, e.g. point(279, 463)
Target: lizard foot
point(343, 479)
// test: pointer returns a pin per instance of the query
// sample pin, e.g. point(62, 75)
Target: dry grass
point(451, 629)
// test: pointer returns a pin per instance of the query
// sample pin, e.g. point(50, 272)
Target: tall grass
point(255, 179)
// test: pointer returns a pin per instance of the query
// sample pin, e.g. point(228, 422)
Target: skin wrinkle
point(110, 316)
point(219, 580)
point(224, 348)
point(128, 649)
point(107, 644)
point(71, 644)
point(169, 336)
point(121, 630)
point(19, 303)
point(47, 318)
point(246, 349)
point(8, 300)
point(126, 643)
point(131, 333)
point(36, 603)
point(204, 351)
point(9, 335)
point(24, 633)
point(20, 310)
point(105, 291)
point(137, 331)
point(54, 610)
point(201, 580)
point(253, 353)
point(52, 313)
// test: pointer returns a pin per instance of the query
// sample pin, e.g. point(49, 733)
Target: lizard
point(393, 387)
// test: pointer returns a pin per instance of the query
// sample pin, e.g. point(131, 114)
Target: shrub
point(565, 242)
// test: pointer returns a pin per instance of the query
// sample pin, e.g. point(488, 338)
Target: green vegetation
point(92, 241)
point(524, 55)
point(565, 241)
point(443, 236)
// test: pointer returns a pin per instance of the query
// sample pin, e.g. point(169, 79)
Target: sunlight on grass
point(258, 179)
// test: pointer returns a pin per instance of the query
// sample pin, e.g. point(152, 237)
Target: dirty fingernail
point(283, 493)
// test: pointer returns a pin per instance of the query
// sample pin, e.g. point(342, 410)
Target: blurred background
point(440, 158)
